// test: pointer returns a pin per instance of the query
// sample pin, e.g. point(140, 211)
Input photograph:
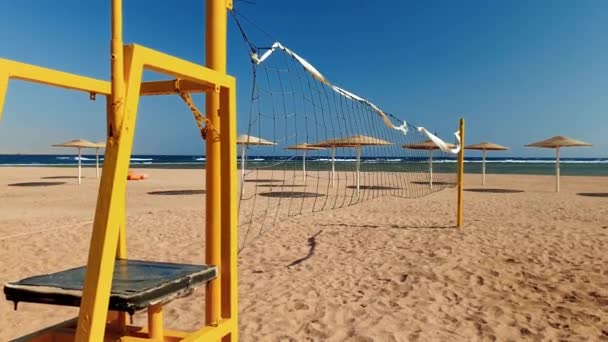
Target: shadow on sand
point(495, 191)
point(61, 177)
point(593, 194)
point(390, 226)
point(373, 187)
point(312, 243)
point(37, 184)
point(177, 192)
point(290, 194)
point(281, 185)
point(434, 183)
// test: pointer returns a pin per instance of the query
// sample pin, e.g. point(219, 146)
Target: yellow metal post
point(229, 209)
point(460, 175)
point(215, 38)
point(155, 322)
point(115, 117)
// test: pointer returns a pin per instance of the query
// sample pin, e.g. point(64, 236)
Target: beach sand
point(527, 265)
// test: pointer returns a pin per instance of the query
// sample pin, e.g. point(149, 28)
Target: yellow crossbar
point(36, 74)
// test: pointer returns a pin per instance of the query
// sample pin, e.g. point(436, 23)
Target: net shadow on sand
point(495, 191)
point(373, 187)
point(290, 194)
point(434, 183)
point(177, 192)
point(281, 185)
point(593, 194)
point(390, 226)
point(34, 184)
point(61, 177)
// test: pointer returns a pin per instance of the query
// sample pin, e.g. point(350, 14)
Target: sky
point(517, 71)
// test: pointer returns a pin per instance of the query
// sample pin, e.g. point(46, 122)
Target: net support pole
point(557, 169)
point(460, 175)
point(79, 167)
point(483, 167)
point(215, 58)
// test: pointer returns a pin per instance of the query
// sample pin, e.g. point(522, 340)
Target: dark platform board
point(136, 285)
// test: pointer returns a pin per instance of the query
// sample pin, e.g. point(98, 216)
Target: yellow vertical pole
point(116, 116)
point(3, 89)
point(229, 209)
point(155, 322)
point(117, 98)
point(215, 55)
point(460, 175)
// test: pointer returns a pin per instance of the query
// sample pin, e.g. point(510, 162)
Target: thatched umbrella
point(556, 142)
point(244, 140)
point(427, 145)
point(483, 147)
point(304, 148)
point(98, 145)
point(79, 144)
point(353, 141)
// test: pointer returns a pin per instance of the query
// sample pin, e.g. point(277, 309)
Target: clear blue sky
point(518, 71)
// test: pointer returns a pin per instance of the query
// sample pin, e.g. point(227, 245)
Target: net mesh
point(308, 147)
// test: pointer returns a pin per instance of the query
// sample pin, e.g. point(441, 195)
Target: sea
point(510, 165)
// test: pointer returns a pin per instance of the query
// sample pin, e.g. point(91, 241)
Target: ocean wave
point(76, 158)
point(201, 159)
point(337, 160)
point(142, 159)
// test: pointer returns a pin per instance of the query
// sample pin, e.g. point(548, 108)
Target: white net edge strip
point(443, 146)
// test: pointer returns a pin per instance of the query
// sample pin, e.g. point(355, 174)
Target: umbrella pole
point(557, 169)
point(358, 166)
point(431, 168)
point(96, 163)
point(333, 167)
point(243, 162)
point(483, 168)
point(304, 165)
point(79, 171)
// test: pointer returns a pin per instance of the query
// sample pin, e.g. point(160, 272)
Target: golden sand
point(528, 265)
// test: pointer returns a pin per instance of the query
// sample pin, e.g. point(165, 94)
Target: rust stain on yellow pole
point(460, 175)
point(215, 57)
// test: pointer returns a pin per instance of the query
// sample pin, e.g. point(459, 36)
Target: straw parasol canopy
point(304, 148)
point(355, 141)
point(78, 144)
point(427, 145)
point(244, 140)
point(557, 142)
point(485, 146)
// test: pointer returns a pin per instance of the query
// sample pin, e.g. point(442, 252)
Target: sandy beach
point(530, 264)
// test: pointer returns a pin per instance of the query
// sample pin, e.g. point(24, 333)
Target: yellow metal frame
point(460, 176)
point(108, 240)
